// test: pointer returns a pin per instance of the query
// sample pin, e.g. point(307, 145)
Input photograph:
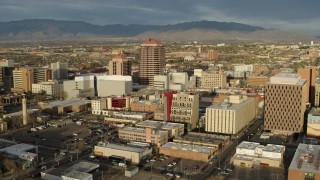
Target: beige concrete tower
point(152, 54)
point(120, 65)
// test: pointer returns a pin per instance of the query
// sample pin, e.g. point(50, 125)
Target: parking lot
point(173, 166)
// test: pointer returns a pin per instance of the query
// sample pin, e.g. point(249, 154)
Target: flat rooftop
point(203, 138)
point(21, 150)
point(77, 175)
point(274, 148)
point(188, 147)
point(29, 111)
point(230, 106)
point(158, 124)
point(122, 147)
point(285, 78)
point(84, 166)
point(306, 158)
point(141, 130)
point(54, 171)
point(248, 145)
point(65, 103)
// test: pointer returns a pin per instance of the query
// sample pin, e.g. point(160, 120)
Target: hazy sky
point(291, 15)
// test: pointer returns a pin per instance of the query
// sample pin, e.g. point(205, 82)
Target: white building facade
point(113, 85)
point(230, 116)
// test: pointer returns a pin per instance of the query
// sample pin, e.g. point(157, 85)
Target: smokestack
point(24, 111)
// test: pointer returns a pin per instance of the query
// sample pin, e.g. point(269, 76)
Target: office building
point(204, 139)
point(152, 54)
point(145, 105)
point(185, 109)
point(66, 106)
point(22, 80)
point(230, 116)
point(313, 123)
point(164, 111)
point(6, 74)
point(119, 103)
point(81, 86)
point(148, 135)
point(174, 129)
point(161, 82)
point(42, 75)
point(188, 151)
point(309, 73)
point(120, 65)
point(113, 85)
point(305, 163)
point(51, 88)
point(216, 79)
point(135, 154)
point(175, 81)
point(285, 103)
point(98, 105)
point(59, 71)
point(250, 153)
point(6, 63)
point(257, 81)
point(212, 55)
point(242, 70)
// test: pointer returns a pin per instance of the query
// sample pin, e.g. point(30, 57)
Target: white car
point(92, 156)
point(170, 165)
point(170, 174)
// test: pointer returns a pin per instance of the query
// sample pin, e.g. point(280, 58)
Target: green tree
point(9, 122)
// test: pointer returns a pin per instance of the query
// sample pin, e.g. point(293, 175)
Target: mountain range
point(47, 29)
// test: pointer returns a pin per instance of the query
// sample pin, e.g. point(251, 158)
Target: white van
point(122, 165)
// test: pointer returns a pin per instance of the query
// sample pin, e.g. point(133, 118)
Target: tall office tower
point(42, 75)
point(120, 65)
point(22, 80)
point(185, 109)
point(59, 71)
point(6, 77)
point(285, 103)
point(309, 73)
point(152, 54)
point(213, 55)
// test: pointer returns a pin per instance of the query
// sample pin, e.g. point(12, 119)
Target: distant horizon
point(134, 23)
point(285, 15)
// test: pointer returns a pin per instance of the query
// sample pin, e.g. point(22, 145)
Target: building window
point(309, 176)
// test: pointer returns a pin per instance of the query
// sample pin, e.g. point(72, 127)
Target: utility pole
point(102, 175)
point(77, 154)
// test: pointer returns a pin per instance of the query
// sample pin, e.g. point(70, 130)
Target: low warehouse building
point(135, 154)
point(188, 151)
point(250, 153)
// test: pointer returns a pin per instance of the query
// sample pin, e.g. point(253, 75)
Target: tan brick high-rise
point(152, 54)
point(120, 65)
point(22, 80)
point(285, 103)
